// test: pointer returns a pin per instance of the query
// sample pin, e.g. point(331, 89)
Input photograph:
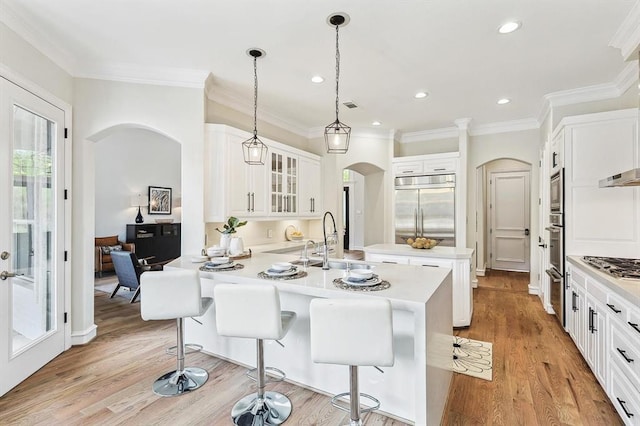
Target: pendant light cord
point(337, 70)
point(255, 97)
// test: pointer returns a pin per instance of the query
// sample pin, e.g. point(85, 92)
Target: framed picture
point(159, 200)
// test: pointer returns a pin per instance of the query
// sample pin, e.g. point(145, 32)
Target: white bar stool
point(353, 332)
point(174, 295)
point(253, 311)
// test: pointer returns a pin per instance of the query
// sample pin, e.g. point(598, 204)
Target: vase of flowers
point(229, 228)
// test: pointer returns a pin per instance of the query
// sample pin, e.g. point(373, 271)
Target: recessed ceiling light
point(509, 27)
point(376, 123)
point(503, 101)
point(421, 95)
point(317, 79)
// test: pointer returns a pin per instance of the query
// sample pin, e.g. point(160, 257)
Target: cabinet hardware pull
point(613, 308)
point(386, 261)
point(253, 201)
point(439, 169)
point(573, 301)
point(591, 320)
point(407, 171)
point(624, 408)
point(626, 358)
point(635, 326)
point(248, 201)
point(431, 266)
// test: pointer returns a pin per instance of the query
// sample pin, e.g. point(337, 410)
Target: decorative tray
point(383, 285)
point(231, 267)
point(299, 274)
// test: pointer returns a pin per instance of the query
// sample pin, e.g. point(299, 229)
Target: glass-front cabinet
point(284, 183)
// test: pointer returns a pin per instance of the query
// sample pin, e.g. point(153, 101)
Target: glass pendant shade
point(254, 151)
point(336, 137)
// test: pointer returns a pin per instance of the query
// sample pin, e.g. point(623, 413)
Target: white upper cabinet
point(234, 188)
point(310, 187)
point(600, 221)
point(431, 164)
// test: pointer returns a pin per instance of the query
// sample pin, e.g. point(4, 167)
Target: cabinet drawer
point(440, 166)
point(408, 168)
point(596, 291)
point(429, 261)
point(624, 396)
point(634, 322)
point(616, 307)
point(387, 258)
point(624, 349)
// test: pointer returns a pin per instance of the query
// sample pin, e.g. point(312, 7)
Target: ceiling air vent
point(350, 105)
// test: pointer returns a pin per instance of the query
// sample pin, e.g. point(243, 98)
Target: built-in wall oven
point(556, 245)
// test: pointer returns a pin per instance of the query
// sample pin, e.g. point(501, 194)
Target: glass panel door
point(31, 233)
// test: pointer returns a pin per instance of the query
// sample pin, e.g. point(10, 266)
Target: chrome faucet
point(325, 252)
point(304, 256)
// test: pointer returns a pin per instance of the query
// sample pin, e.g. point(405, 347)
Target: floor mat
point(473, 358)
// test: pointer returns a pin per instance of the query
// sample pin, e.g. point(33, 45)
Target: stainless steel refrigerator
point(425, 207)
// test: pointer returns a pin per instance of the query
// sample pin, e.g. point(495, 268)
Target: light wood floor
point(539, 377)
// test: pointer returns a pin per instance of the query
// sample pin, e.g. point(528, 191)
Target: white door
point(509, 209)
point(32, 330)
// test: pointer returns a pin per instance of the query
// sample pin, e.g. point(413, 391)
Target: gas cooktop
point(619, 267)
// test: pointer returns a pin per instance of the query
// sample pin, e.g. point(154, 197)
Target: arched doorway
point(503, 215)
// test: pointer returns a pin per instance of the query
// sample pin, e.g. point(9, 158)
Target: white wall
point(425, 147)
point(127, 163)
point(100, 107)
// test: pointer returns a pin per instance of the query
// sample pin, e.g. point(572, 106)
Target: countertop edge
point(618, 286)
point(405, 250)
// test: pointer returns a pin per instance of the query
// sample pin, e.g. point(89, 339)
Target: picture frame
point(159, 200)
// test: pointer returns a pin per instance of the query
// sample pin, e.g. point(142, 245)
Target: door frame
point(490, 217)
point(47, 96)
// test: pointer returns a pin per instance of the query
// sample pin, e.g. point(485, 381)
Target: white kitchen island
point(458, 259)
point(414, 390)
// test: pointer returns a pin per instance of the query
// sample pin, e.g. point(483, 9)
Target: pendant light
point(337, 134)
point(253, 149)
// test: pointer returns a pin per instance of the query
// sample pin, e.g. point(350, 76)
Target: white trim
point(505, 127)
point(596, 116)
point(84, 337)
point(481, 272)
point(533, 289)
point(38, 39)
point(627, 38)
point(159, 76)
point(382, 134)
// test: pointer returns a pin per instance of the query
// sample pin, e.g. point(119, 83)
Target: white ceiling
point(390, 50)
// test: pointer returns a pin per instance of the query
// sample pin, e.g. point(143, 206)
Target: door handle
point(5, 274)
point(542, 245)
point(526, 231)
point(253, 201)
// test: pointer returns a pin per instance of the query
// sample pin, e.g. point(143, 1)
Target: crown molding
point(131, 73)
point(463, 123)
point(363, 132)
point(505, 127)
point(33, 35)
point(627, 38)
point(241, 104)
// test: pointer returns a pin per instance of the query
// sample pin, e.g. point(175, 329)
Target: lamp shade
point(254, 151)
point(139, 200)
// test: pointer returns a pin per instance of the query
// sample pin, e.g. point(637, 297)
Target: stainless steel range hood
point(628, 178)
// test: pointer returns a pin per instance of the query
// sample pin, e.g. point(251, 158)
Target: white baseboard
point(534, 289)
point(84, 337)
point(474, 283)
point(480, 272)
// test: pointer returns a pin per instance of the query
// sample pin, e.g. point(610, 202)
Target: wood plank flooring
point(539, 377)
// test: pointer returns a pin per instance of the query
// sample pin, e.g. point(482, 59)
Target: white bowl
point(219, 260)
point(215, 251)
point(361, 274)
point(281, 266)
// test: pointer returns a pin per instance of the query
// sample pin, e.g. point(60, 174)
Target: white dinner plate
point(366, 283)
point(199, 259)
point(210, 265)
point(273, 273)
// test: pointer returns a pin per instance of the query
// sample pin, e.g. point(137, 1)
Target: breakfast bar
point(414, 390)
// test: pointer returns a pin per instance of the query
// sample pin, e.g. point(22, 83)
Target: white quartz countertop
point(629, 289)
point(411, 286)
point(406, 250)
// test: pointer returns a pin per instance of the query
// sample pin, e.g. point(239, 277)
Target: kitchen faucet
point(304, 256)
point(325, 252)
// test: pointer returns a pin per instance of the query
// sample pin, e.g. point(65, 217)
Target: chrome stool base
point(273, 409)
point(174, 383)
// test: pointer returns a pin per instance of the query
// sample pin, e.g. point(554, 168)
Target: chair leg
point(135, 295)
point(115, 290)
point(354, 396)
point(261, 408)
point(181, 380)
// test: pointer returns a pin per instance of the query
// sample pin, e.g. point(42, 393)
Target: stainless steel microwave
point(556, 192)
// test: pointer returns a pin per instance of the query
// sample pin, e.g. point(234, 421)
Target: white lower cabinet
point(604, 327)
point(460, 275)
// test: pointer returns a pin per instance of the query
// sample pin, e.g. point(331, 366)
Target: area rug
point(108, 288)
point(473, 358)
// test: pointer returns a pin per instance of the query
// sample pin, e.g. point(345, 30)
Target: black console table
point(159, 241)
